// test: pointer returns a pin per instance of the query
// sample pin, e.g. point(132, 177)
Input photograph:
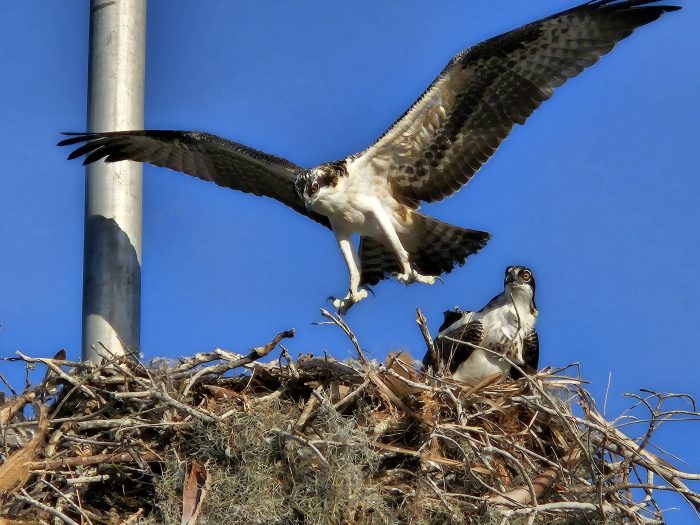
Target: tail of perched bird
point(434, 248)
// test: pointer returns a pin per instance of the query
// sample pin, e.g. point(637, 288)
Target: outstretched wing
point(201, 155)
point(465, 114)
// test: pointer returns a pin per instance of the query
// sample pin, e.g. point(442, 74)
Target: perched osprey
point(428, 154)
point(505, 325)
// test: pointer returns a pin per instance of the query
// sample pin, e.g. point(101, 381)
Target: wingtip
point(626, 4)
point(73, 138)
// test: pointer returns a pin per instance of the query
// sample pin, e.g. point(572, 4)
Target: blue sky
point(598, 193)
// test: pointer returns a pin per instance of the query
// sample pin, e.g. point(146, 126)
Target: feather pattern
point(201, 155)
point(428, 154)
point(505, 326)
point(451, 353)
point(461, 119)
point(376, 262)
point(434, 248)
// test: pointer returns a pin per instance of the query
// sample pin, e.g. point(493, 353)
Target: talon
point(438, 278)
point(359, 295)
point(344, 304)
point(424, 279)
point(367, 288)
point(338, 303)
point(405, 278)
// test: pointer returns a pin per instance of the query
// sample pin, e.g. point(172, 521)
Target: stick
point(422, 323)
point(54, 368)
point(26, 498)
point(253, 355)
point(123, 457)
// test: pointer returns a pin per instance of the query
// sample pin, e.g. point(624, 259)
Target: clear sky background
point(598, 193)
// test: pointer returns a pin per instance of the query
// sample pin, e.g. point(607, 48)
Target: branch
point(430, 345)
point(255, 354)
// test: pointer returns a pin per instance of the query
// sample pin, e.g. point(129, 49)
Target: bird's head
point(313, 184)
point(520, 278)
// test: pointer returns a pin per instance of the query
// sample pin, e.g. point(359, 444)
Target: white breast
point(505, 329)
point(502, 330)
point(479, 365)
point(352, 205)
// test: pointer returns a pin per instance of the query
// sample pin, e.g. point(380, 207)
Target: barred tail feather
point(437, 248)
point(442, 246)
point(377, 262)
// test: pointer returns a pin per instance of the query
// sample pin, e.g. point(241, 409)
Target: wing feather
point(454, 354)
point(465, 114)
point(531, 355)
point(201, 155)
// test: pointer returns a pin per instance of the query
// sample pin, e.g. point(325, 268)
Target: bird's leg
point(408, 275)
point(355, 294)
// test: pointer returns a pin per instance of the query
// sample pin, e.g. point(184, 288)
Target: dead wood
point(234, 440)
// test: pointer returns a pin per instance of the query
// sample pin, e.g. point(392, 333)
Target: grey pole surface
point(112, 258)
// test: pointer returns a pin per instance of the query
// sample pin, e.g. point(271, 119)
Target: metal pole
point(112, 258)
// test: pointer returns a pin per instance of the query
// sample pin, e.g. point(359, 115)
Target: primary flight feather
point(428, 154)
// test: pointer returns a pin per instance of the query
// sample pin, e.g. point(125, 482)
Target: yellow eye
point(526, 276)
point(314, 187)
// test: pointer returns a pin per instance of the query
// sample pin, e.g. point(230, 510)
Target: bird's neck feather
point(522, 299)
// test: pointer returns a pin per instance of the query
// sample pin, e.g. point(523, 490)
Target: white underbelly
point(480, 365)
point(350, 212)
point(504, 334)
point(355, 204)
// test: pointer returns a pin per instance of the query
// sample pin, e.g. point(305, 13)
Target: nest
point(222, 438)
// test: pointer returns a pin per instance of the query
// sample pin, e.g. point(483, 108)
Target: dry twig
point(365, 432)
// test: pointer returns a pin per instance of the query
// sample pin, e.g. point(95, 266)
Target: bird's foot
point(344, 304)
point(415, 277)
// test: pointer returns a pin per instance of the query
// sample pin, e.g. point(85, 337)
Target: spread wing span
point(465, 114)
point(201, 155)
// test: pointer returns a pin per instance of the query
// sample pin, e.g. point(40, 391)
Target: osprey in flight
point(428, 154)
point(506, 325)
